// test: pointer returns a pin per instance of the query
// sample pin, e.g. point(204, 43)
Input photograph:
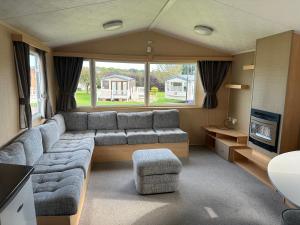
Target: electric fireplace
point(264, 129)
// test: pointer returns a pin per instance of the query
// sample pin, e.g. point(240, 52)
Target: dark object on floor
point(291, 217)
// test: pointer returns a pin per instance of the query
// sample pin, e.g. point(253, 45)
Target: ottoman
point(156, 171)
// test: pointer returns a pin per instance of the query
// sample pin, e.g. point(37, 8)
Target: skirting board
point(124, 152)
point(67, 220)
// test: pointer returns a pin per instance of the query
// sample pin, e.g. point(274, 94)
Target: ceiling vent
point(203, 30)
point(113, 25)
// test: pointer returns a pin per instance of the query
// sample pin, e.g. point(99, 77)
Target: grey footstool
point(156, 171)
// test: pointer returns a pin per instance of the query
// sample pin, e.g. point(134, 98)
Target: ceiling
point(237, 23)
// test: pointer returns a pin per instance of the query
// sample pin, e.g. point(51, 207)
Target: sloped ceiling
point(237, 23)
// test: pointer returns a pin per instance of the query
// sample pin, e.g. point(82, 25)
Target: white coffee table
point(284, 173)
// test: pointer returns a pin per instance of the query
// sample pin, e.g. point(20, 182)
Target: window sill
point(38, 121)
point(82, 108)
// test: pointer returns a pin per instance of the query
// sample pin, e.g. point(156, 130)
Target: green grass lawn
point(84, 99)
point(160, 99)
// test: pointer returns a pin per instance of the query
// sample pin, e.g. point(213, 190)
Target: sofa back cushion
point(165, 119)
point(50, 135)
point(60, 121)
point(13, 154)
point(135, 120)
point(102, 120)
point(76, 121)
point(33, 145)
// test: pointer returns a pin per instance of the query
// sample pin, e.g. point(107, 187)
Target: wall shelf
point(237, 86)
point(248, 67)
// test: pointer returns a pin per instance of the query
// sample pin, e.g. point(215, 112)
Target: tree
point(188, 69)
point(170, 69)
point(85, 78)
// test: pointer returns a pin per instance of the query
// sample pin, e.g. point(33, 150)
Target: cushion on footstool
point(156, 171)
point(155, 162)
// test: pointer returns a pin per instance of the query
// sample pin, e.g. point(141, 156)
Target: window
point(83, 92)
point(36, 86)
point(172, 84)
point(120, 83)
point(124, 84)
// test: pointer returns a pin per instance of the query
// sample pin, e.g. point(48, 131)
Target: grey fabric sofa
point(61, 165)
point(61, 150)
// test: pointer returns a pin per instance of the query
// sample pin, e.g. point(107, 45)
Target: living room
point(149, 112)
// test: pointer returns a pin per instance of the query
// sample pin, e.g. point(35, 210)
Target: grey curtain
point(67, 73)
point(212, 74)
point(47, 112)
point(22, 63)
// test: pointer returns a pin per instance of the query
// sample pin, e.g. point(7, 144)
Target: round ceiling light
point(203, 30)
point(113, 25)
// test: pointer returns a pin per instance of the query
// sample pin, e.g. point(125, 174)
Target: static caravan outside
point(117, 87)
point(181, 87)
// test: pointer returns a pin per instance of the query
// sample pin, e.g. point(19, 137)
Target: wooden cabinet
point(20, 210)
point(222, 149)
point(223, 141)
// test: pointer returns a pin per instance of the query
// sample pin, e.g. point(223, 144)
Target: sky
point(138, 66)
point(119, 65)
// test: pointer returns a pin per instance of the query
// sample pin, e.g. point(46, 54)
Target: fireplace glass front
point(264, 129)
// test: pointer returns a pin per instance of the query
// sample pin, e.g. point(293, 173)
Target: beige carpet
point(212, 191)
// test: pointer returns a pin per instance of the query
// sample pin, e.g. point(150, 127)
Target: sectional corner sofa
point(62, 149)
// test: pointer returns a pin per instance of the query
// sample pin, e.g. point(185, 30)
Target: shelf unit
point(248, 67)
point(224, 140)
point(237, 86)
point(254, 162)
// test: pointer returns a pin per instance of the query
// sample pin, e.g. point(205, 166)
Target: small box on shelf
point(237, 86)
point(248, 67)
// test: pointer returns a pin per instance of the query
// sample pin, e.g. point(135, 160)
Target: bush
point(154, 90)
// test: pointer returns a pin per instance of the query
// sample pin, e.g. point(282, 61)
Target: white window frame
point(146, 85)
point(180, 104)
point(94, 93)
point(40, 85)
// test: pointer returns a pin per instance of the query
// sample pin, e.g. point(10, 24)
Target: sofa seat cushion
point(13, 154)
point(135, 120)
point(110, 137)
point(73, 145)
point(155, 162)
point(141, 136)
point(33, 145)
point(165, 119)
point(75, 121)
point(102, 120)
point(58, 162)
point(75, 135)
point(57, 194)
point(171, 135)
